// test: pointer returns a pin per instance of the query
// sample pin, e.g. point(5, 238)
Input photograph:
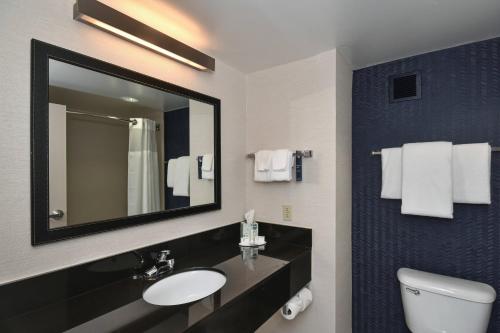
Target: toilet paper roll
point(291, 309)
point(297, 304)
point(305, 295)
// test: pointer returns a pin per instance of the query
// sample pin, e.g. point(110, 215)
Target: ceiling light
point(108, 19)
point(129, 99)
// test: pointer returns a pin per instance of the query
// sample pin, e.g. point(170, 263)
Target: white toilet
point(441, 304)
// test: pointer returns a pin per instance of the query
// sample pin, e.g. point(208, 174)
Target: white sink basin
point(185, 287)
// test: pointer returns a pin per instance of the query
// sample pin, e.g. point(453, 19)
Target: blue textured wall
point(460, 103)
point(176, 144)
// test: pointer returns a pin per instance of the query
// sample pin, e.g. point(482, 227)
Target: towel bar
point(299, 153)
point(378, 152)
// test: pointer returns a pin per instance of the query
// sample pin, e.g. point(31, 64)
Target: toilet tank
point(441, 304)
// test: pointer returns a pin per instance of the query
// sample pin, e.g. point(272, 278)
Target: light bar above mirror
point(99, 15)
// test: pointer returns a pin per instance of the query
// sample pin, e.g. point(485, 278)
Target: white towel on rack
point(263, 160)
point(170, 172)
point(280, 159)
point(282, 164)
point(181, 177)
point(427, 180)
point(207, 169)
point(207, 162)
point(471, 173)
point(262, 166)
point(391, 173)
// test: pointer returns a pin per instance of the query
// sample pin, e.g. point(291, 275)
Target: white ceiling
point(256, 34)
point(76, 78)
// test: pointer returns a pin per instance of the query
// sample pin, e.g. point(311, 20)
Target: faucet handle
point(151, 272)
point(163, 256)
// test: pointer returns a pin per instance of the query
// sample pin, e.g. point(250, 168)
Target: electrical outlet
point(287, 212)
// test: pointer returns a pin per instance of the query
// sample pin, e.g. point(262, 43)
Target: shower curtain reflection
point(143, 168)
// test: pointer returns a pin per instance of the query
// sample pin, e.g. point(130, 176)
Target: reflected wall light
point(111, 20)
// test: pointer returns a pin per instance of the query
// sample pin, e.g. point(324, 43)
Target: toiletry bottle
point(245, 230)
point(254, 232)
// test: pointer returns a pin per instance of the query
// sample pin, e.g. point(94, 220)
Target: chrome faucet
point(164, 264)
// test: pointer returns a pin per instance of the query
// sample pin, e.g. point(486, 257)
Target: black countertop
point(259, 281)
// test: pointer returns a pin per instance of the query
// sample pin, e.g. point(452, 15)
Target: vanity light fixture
point(99, 15)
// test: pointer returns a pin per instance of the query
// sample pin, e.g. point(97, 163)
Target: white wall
point(201, 142)
point(57, 170)
point(301, 105)
point(295, 106)
point(343, 174)
point(51, 21)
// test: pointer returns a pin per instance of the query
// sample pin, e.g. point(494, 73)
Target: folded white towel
point(471, 173)
point(282, 163)
point(181, 177)
point(207, 162)
point(391, 173)
point(171, 172)
point(208, 175)
point(427, 180)
point(263, 159)
point(262, 167)
point(280, 159)
point(207, 171)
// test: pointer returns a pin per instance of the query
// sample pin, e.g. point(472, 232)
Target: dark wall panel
point(176, 145)
point(460, 103)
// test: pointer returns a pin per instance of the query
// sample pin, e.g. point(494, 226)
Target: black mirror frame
point(41, 52)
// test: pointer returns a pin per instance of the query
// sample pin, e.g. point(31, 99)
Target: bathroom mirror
point(113, 148)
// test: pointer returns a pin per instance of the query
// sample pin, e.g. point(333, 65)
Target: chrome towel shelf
point(378, 152)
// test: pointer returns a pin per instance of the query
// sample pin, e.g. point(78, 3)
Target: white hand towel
point(263, 160)
point(471, 173)
point(391, 173)
point(282, 163)
point(280, 159)
point(427, 181)
point(207, 162)
point(207, 169)
point(181, 177)
point(262, 168)
point(209, 175)
point(171, 172)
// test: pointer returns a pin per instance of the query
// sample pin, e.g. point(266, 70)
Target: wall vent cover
point(404, 87)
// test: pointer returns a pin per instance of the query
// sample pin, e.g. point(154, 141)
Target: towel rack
point(378, 152)
point(297, 153)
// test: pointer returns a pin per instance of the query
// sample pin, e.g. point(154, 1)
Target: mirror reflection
point(118, 148)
